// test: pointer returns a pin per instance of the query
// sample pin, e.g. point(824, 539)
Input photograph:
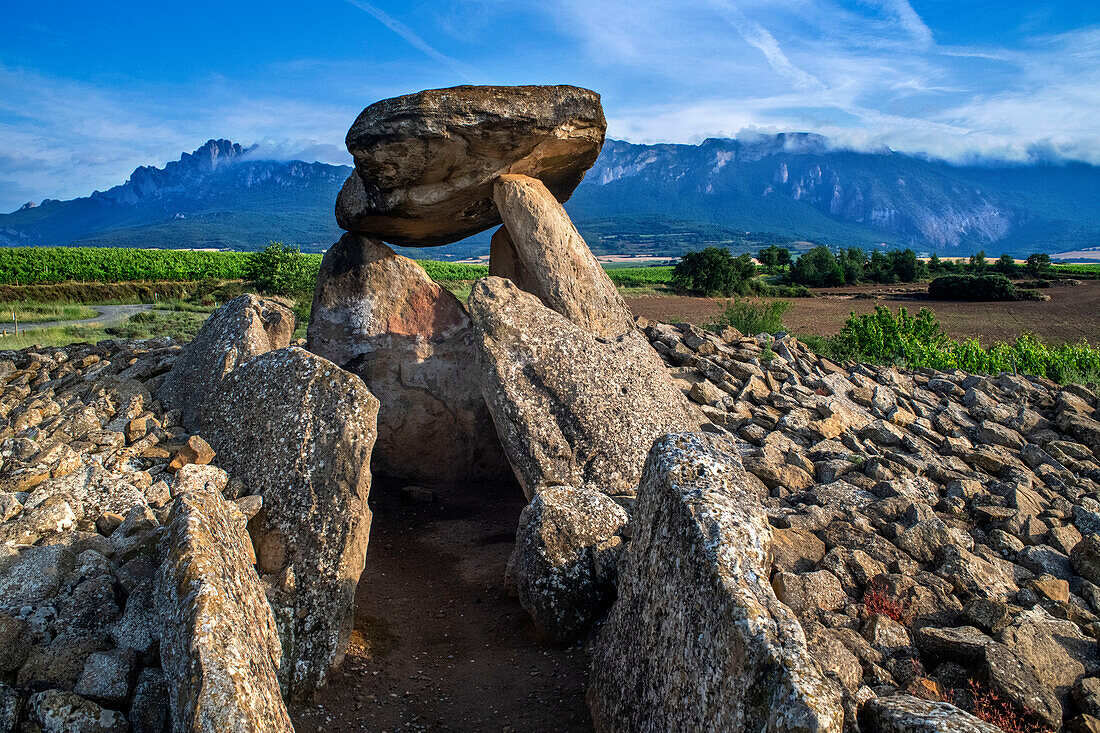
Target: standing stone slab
point(697, 639)
point(241, 329)
point(298, 431)
point(379, 315)
point(219, 644)
point(555, 262)
point(570, 409)
point(425, 163)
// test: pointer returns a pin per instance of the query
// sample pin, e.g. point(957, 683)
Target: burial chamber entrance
point(439, 645)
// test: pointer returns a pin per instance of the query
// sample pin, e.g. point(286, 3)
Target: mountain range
point(637, 199)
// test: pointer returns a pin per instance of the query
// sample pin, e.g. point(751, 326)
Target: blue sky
point(89, 91)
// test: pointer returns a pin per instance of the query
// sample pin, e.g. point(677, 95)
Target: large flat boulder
point(570, 409)
point(379, 315)
point(298, 431)
point(219, 644)
point(241, 329)
point(425, 163)
point(697, 639)
point(552, 260)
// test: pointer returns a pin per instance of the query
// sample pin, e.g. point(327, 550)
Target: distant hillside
point(215, 197)
point(645, 199)
point(795, 185)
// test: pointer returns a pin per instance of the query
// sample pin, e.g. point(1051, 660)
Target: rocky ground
point(87, 459)
point(935, 533)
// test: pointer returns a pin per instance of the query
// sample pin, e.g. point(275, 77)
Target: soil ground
point(438, 645)
point(1072, 313)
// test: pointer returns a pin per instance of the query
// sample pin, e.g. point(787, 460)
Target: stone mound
point(425, 163)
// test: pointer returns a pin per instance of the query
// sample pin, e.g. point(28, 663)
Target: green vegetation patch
point(978, 288)
point(752, 318)
point(35, 312)
point(33, 265)
point(918, 341)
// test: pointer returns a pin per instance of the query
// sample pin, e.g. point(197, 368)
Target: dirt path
point(438, 645)
point(108, 314)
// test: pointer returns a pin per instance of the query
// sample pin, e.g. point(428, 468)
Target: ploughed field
point(1072, 313)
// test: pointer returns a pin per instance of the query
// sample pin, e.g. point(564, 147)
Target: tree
point(280, 269)
point(713, 271)
point(978, 262)
point(1006, 265)
point(774, 257)
point(817, 268)
point(1038, 263)
point(852, 262)
point(907, 268)
point(935, 265)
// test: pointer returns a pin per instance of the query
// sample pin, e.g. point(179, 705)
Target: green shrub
point(754, 317)
point(713, 271)
point(919, 341)
point(973, 287)
point(282, 269)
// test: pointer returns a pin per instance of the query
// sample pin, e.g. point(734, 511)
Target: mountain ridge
point(655, 199)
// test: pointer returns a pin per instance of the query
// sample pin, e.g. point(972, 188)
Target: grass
point(35, 312)
point(752, 318)
point(43, 337)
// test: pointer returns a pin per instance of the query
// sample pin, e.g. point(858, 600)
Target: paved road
point(108, 314)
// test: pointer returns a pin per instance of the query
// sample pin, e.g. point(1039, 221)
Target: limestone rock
point(380, 316)
point(298, 431)
point(908, 714)
point(696, 639)
point(563, 565)
point(54, 711)
point(241, 329)
point(570, 410)
point(219, 643)
point(556, 263)
point(425, 163)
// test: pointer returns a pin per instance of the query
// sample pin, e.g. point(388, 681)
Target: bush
point(1038, 264)
point(713, 271)
point(973, 288)
point(282, 269)
point(919, 341)
point(753, 318)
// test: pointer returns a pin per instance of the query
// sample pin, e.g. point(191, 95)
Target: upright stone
point(556, 262)
point(241, 329)
point(219, 644)
point(570, 409)
point(504, 261)
point(379, 315)
point(697, 639)
point(298, 431)
point(425, 163)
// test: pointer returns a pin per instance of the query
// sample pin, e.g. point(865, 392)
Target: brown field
point(1071, 314)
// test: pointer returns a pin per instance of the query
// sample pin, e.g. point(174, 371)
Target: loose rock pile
point(935, 533)
point(92, 478)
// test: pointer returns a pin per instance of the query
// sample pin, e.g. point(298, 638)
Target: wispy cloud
point(416, 41)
